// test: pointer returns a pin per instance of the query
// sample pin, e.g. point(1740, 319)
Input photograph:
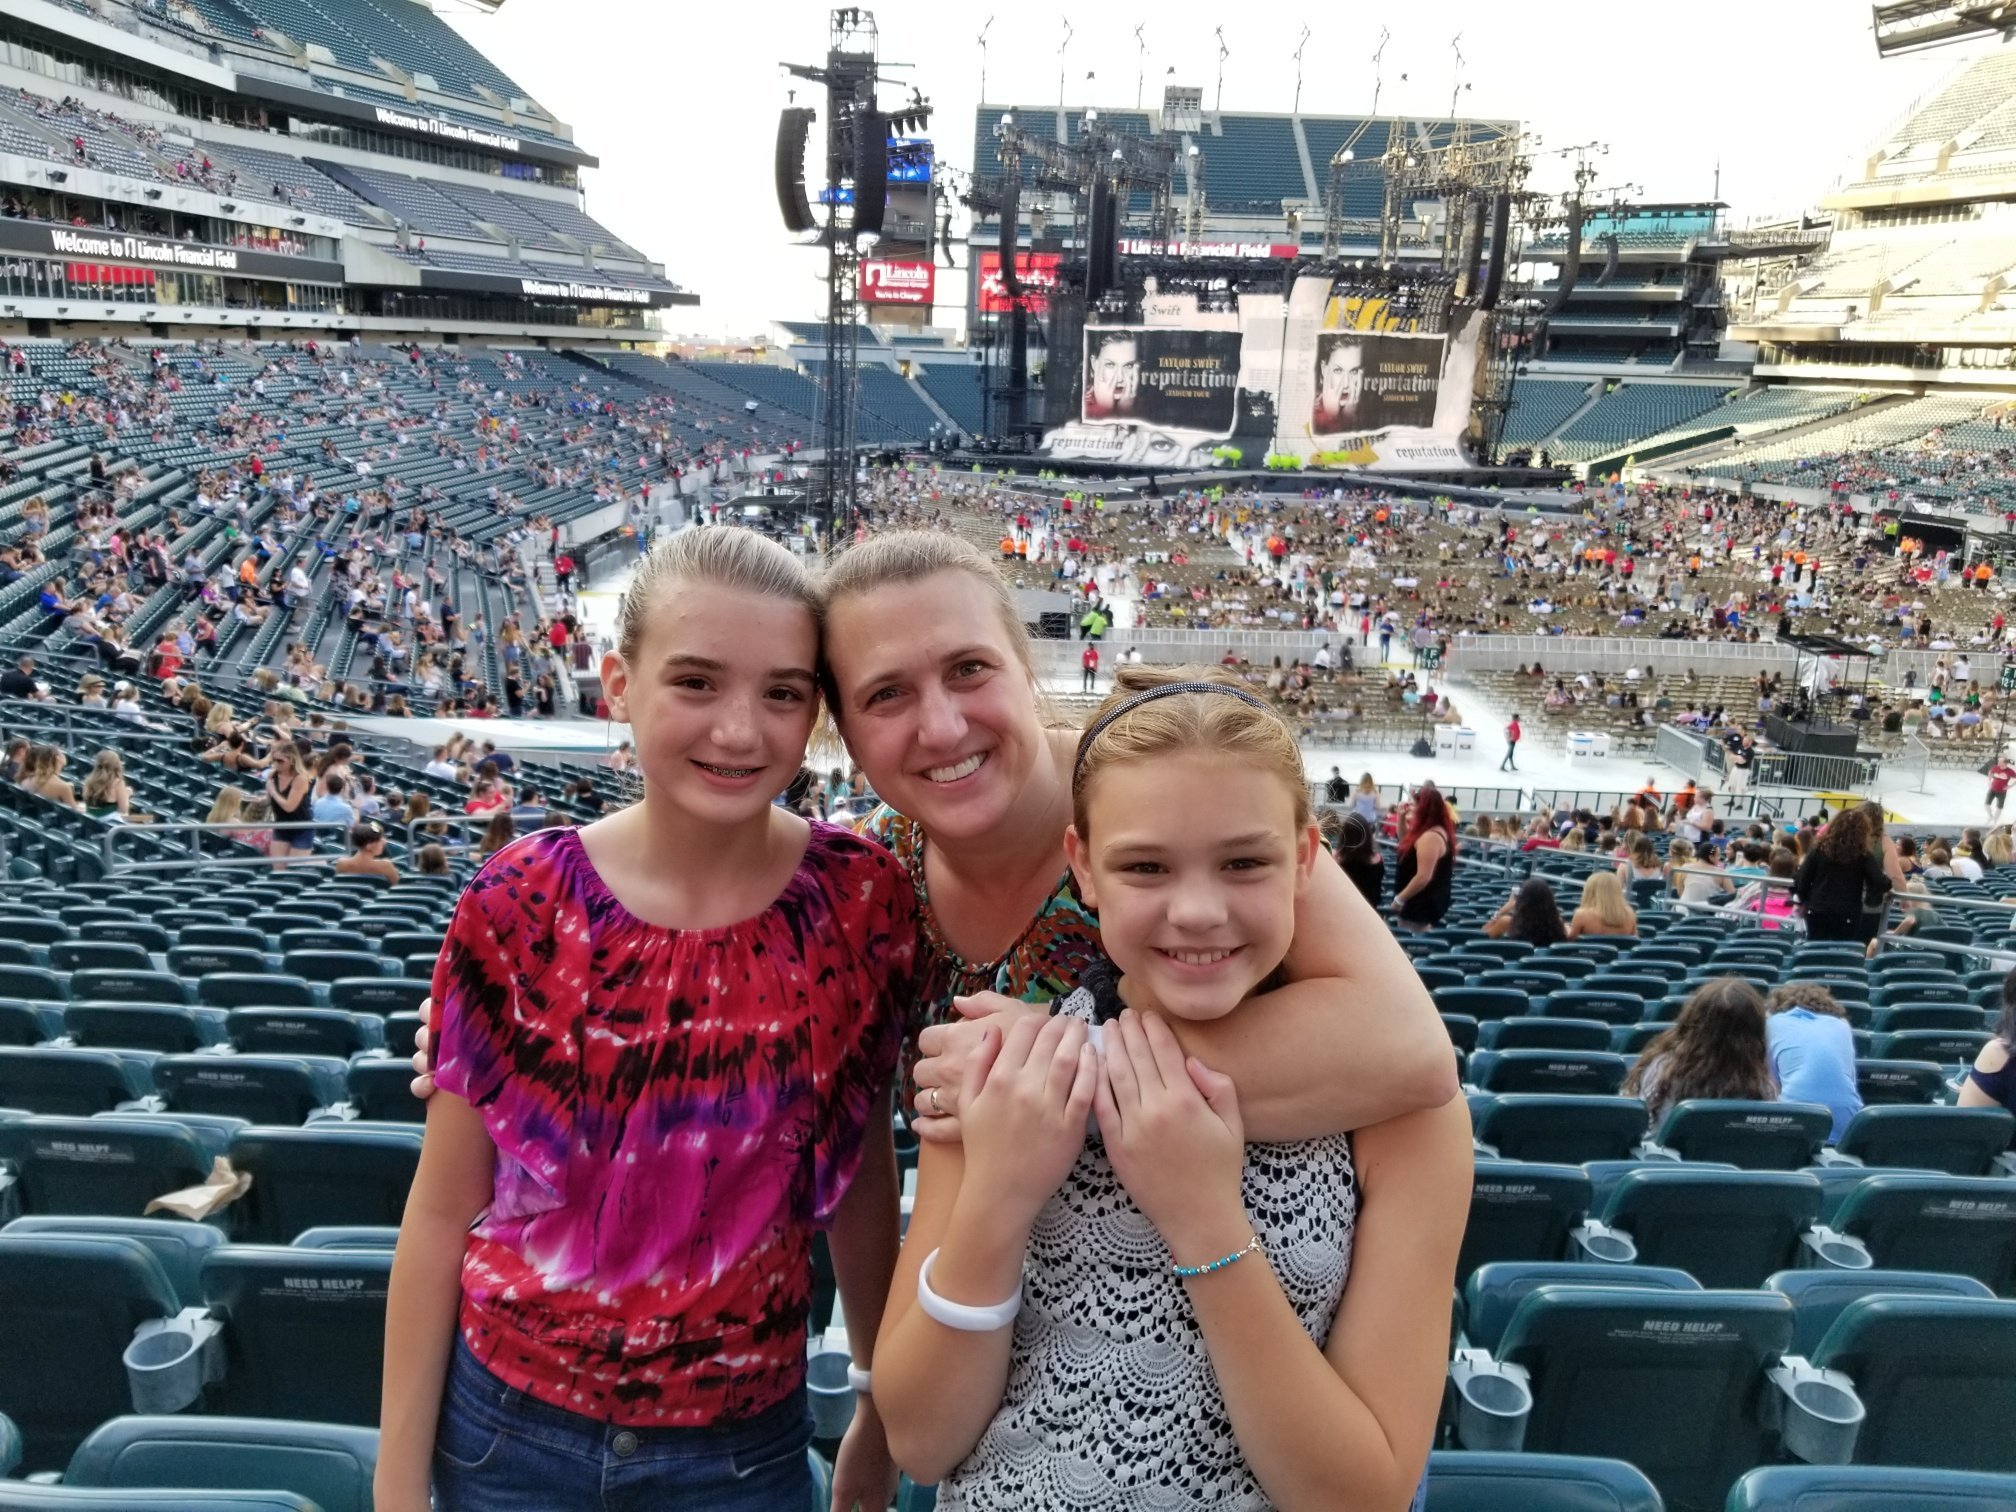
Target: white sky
point(679, 98)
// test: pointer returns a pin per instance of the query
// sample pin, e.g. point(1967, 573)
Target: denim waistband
point(470, 1380)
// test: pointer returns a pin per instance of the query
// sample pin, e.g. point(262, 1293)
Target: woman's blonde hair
point(105, 771)
point(229, 807)
point(910, 556)
point(1998, 849)
point(1603, 895)
point(1238, 727)
point(44, 762)
point(727, 556)
point(220, 715)
point(1679, 853)
point(1573, 841)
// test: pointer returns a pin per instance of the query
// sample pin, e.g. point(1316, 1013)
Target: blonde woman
point(44, 776)
point(1604, 912)
point(1642, 865)
point(91, 691)
point(107, 795)
point(1998, 849)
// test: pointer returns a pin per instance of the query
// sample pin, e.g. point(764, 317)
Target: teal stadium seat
point(1493, 1293)
point(1886, 1083)
point(354, 1236)
point(73, 1082)
point(1532, 1033)
point(128, 985)
point(265, 1089)
point(1567, 1130)
point(304, 1331)
point(99, 1166)
point(1958, 1141)
point(1868, 1488)
point(326, 1173)
point(383, 1090)
point(1672, 1382)
point(134, 1026)
point(1934, 1374)
point(20, 1496)
point(1568, 1072)
point(1521, 1210)
point(1818, 1296)
point(328, 1464)
point(1468, 1481)
point(71, 1305)
point(1936, 1223)
point(303, 1031)
point(1724, 1228)
point(1756, 1136)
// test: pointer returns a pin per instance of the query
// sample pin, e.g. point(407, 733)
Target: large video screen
point(1174, 379)
point(1367, 381)
point(1038, 273)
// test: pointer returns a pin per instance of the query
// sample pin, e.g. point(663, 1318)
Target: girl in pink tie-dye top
point(667, 1038)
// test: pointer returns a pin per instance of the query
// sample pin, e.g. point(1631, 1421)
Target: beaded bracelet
point(1250, 1247)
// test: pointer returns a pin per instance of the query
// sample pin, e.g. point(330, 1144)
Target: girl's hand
point(946, 1050)
point(864, 1476)
point(1025, 1099)
point(1173, 1133)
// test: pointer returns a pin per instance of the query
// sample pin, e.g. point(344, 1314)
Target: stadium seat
point(1646, 988)
point(120, 984)
point(383, 1090)
point(100, 1166)
point(1477, 1481)
point(305, 1330)
point(33, 983)
point(27, 1024)
point(1672, 1382)
point(1520, 1210)
point(302, 1031)
point(1462, 1031)
point(101, 954)
point(326, 1173)
point(326, 966)
point(1933, 1373)
point(1886, 1083)
point(1566, 1130)
point(1819, 1295)
point(1964, 1016)
point(176, 1243)
point(401, 1031)
point(1434, 978)
point(380, 995)
point(72, 1304)
point(1481, 1003)
point(10, 1447)
point(354, 1236)
point(1529, 980)
point(1936, 1223)
point(1867, 1488)
point(1492, 1293)
point(194, 962)
point(231, 989)
point(1545, 1034)
point(329, 1464)
point(222, 937)
point(1949, 1047)
point(133, 1026)
point(1958, 1141)
point(1611, 1006)
point(264, 1089)
point(1756, 1136)
point(23, 1496)
point(1570, 1072)
point(1724, 1228)
point(62, 1081)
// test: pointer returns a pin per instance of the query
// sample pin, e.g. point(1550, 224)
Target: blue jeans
point(498, 1450)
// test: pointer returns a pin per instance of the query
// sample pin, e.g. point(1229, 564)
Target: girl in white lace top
point(1155, 1316)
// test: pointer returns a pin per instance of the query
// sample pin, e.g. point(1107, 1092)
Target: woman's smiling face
point(936, 702)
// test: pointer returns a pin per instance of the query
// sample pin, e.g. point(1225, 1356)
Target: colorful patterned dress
point(674, 1112)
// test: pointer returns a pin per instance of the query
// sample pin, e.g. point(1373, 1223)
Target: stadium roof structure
point(1908, 26)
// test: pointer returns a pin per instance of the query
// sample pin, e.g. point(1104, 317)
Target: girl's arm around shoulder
point(451, 1188)
point(1348, 1428)
point(1352, 1040)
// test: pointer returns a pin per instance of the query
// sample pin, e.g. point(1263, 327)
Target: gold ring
point(937, 1111)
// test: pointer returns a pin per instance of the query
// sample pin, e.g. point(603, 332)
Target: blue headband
point(1166, 690)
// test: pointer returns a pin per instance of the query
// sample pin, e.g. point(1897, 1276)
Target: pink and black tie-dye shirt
point(674, 1112)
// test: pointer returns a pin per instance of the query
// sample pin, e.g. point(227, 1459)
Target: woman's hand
point(945, 1051)
point(423, 1040)
point(1025, 1099)
point(1173, 1133)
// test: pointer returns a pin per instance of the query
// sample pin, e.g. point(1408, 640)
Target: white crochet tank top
point(1111, 1402)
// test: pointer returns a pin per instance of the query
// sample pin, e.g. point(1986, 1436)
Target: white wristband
point(957, 1314)
point(859, 1380)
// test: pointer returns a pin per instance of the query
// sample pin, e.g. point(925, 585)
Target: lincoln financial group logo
point(448, 130)
point(139, 249)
